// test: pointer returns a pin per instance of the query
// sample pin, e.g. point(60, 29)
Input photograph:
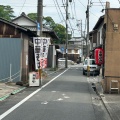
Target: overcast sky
point(77, 9)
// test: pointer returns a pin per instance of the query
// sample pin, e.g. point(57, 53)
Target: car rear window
point(92, 62)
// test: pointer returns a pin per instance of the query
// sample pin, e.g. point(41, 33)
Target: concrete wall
point(112, 47)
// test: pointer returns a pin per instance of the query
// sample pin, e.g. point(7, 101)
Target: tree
point(61, 33)
point(33, 16)
point(6, 12)
point(48, 21)
point(58, 28)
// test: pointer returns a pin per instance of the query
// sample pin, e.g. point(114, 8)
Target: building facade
point(15, 49)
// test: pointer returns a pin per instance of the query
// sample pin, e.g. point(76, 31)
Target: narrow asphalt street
point(68, 96)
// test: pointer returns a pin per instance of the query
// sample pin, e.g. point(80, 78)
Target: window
point(92, 62)
point(76, 51)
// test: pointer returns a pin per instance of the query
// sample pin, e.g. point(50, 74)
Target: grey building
point(16, 51)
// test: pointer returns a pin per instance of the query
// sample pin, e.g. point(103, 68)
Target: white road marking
point(28, 97)
point(45, 102)
point(53, 91)
point(60, 99)
point(66, 97)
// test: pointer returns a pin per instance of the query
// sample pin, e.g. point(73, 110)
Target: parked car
point(94, 69)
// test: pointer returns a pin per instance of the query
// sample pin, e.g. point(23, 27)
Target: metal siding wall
point(10, 50)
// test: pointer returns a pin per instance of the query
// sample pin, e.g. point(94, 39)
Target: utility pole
point(81, 29)
point(39, 17)
point(66, 64)
point(87, 15)
point(39, 31)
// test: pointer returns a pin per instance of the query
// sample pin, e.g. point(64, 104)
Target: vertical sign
point(43, 59)
point(41, 45)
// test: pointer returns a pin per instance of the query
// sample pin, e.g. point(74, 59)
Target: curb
point(12, 93)
point(102, 97)
point(106, 106)
point(109, 109)
point(4, 97)
point(18, 90)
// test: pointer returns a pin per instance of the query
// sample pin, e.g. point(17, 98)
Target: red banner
point(99, 56)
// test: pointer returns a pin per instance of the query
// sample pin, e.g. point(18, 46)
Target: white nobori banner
point(41, 45)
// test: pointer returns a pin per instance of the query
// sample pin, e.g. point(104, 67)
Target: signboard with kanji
point(34, 79)
point(41, 45)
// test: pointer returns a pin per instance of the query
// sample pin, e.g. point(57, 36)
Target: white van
point(94, 69)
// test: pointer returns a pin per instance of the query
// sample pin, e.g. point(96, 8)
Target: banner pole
point(40, 74)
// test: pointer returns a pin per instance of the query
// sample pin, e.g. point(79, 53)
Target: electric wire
point(68, 20)
point(101, 4)
point(86, 8)
point(57, 10)
point(62, 14)
point(72, 11)
point(75, 9)
point(75, 18)
point(60, 11)
point(22, 7)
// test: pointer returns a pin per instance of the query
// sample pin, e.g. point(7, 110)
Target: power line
point(22, 7)
point(86, 8)
point(77, 24)
point(62, 13)
point(60, 10)
point(68, 19)
point(72, 11)
point(82, 4)
point(75, 9)
point(101, 4)
point(57, 10)
point(75, 16)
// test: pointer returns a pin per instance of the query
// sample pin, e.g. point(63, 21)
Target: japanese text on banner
point(41, 45)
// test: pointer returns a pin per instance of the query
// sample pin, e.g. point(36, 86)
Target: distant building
point(75, 49)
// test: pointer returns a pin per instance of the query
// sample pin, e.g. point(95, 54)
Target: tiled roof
point(34, 28)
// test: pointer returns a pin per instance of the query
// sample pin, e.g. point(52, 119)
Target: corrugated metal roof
point(69, 46)
point(34, 28)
